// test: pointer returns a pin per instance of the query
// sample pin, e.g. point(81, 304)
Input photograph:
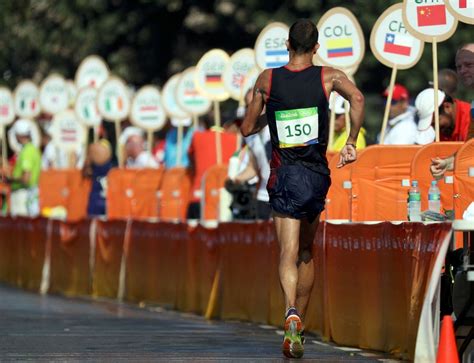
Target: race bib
point(297, 127)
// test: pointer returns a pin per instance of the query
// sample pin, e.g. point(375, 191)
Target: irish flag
point(341, 47)
point(431, 15)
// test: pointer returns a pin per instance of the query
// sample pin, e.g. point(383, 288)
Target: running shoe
point(293, 341)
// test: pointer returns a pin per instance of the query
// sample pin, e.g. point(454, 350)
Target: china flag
point(431, 15)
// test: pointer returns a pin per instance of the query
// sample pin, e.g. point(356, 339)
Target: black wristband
point(351, 144)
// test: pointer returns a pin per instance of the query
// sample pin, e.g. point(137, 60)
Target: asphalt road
point(51, 328)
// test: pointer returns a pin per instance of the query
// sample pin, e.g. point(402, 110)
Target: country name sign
point(270, 47)
point(391, 42)
point(147, 111)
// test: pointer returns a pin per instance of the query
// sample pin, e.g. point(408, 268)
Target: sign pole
point(150, 140)
point(4, 147)
point(332, 121)
point(179, 145)
point(195, 121)
point(389, 102)
point(436, 86)
point(96, 133)
point(118, 149)
point(217, 118)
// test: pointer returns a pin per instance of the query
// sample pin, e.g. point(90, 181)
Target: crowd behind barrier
point(370, 285)
point(375, 187)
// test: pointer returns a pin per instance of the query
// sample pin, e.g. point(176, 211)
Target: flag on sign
point(119, 104)
point(4, 110)
point(149, 108)
point(68, 135)
point(237, 80)
point(191, 93)
point(430, 15)
point(466, 4)
point(398, 44)
point(341, 47)
point(276, 58)
point(213, 80)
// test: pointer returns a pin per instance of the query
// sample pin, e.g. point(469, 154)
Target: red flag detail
point(431, 15)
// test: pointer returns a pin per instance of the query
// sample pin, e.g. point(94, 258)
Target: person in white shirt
point(136, 157)
point(401, 126)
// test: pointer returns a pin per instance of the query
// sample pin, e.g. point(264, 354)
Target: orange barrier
point(377, 183)
point(174, 195)
point(212, 182)
point(370, 279)
point(65, 188)
point(132, 193)
point(70, 263)
point(339, 197)
point(420, 170)
point(108, 256)
point(464, 178)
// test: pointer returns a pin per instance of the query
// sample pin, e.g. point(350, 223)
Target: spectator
point(465, 70)
point(340, 132)
point(54, 158)
point(454, 119)
point(171, 147)
point(401, 126)
point(203, 155)
point(97, 165)
point(136, 156)
point(447, 81)
point(424, 104)
point(24, 178)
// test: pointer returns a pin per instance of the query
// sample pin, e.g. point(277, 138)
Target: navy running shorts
point(297, 191)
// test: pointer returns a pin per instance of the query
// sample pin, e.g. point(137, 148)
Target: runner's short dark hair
point(303, 36)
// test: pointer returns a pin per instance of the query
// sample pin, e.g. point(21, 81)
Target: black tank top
point(297, 114)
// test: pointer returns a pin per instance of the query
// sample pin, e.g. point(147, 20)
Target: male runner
point(296, 100)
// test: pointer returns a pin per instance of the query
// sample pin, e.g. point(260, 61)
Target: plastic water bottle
point(434, 198)
point(414, 202)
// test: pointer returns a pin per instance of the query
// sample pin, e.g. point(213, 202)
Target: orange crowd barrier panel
point(212, 183)
point(66, 188)
point(380, 183)
point(338, 200)
point(464, 178)
point(174, 195)
point(70, 259)
point(420, 170)
point(133, 193)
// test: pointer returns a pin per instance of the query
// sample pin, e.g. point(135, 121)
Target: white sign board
point(86, 107)
point(463, 10)
point(391, 42)
point(239, 65)
point(209, 72)
point(35, 136)
point(270, 47)
point(170, 102)
point(26, 100)
point(113, 100)
point(7, 112)
point(67, 133)
point(429, 20)
point(53, 95)
point(341, 39)
point(92, 71)
point(147, 111)
point(188, 97)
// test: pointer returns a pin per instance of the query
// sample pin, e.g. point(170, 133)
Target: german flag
point(214, 80)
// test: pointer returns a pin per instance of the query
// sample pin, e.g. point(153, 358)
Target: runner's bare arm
point(336, 80)
point(254, 121)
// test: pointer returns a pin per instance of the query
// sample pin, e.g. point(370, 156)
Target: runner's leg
point(287, 230)
point(305, 265)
